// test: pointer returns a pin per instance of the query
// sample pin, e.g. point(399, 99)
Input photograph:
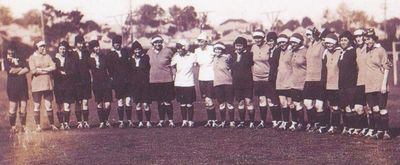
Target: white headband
point(308, 31)
point(295, 39)
point(282, 39)
point(258, 33)
point(330, 40)
point(156, 39)
point(40, 43)
point(358, 32)
point(219, 46)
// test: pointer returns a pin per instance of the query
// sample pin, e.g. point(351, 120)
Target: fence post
point(395, 59)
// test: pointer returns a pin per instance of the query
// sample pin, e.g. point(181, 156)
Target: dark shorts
point(297, 95)
point(314, 90)
point(162, 92)
point(347, 97)
point(224, 93)
point(360, 95)
point(185, 95)
point(83, 92)
point(206, 89)
point(267, 89)
point(377, 99)
point(121, 90)
point(284, 92)
point(47, 95)
point(242, 93)
point(140, 93)
point(332, 96)
point(102, 94)
point(17, 89)
point(64, 96)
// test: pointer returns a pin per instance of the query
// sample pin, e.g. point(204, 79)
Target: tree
point(150, 15)
point(32, 17)
point(391, 27)
point(184, 19)
point(306, 22)
point(291, 25)
point(6, 16)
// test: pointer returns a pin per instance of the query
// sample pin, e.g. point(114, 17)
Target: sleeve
point(6, 63)
point(32, 65)
point(174, 60)
point(52, 64)
point(385, 62)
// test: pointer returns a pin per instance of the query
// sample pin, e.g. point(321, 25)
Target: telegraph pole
point(42, 22)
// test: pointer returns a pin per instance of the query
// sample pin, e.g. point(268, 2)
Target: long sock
point(22, 118)
point(384, 122)
point(66, 116)
point(278, 110)
point(13, 118)
point(50, 116)
point(139, 114)
point(222, 113)
point(294, 115)
point(378, 122)
point(191, 113)
point(311, 115)
point(352, 122)
point(128, 112)
point(170, 112)
point(327, 115)
point(60, 116)
point(336, 118)
point(107, 113)
point(100, 113)
point(263, 113)
point(320, 118)
point(252, 115)
point(285, 114)
point(345, 117)
point(161, 111)
point(148, 115)
point(121, 113)
point(85, 114)
point(78, 115)
point(373, 119)
point(213, 113)
point(242, 114)
point(36, 116)
point(363, 120)
point(231, 113)
point(300, 116)
point(209, 115)
point(184, 112)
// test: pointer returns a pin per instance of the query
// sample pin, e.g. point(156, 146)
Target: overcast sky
point(102, 11)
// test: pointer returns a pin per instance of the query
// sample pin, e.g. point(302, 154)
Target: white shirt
point(205, 60)
point(184, 69)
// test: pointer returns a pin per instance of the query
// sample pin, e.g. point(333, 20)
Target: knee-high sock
point(336, 118)
point(191, 113)
point(300, 116)
point(294, 115)
point(209, 113)
point(66, 116)
point(139, 115)
point(352, 120)
point(373, 120)
point(78, 115)
point(148, 115)
point(101, 114)
point(50, 116)
point(107, 113)
point(384, 122)
point(345, 116)
point(278, 110)
point(60, 116)
point(213, 113)
point(161, 111)
point(85, 114)
point(242, 114)
point(231, 113)
point(363, 120)
point(184, 112)
point(13, 118)
point(285, 114)
point(263, 113)
point(222, 113)
point(128, 112)
point(252, 115)
point(170, 112)
point(22, 118)
point(36, 116)
point(320, 118)
point(121, 113)
point(311, 115)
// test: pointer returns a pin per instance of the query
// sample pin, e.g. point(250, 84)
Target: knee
point(128, 102)
point(383, 112)
point(189, 105)
point(138, 107)
point(120, 102)
point(67, 107)
point(249, 105)
point(241, 104)
point(263, 101)
point(107, 105)
point(319, 105)
point(375, 109)
point(230, 106)
point(146, 107)
point(222, 106)
point(99, 105)
point(298, 106)
point(208, 101)
point(284, 102)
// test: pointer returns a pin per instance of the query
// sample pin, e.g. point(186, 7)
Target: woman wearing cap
point(243, 80)
point(347, 85)
point(83, 89)
point(161, 81)
point(298, 76)
point(183, 62)
point(41, 65)
point(331, 57)
point(101, 81)
point(360, 99)
point(376, 86)
point(204, 59)
point(16, 67)
point(283, 84)
point(119, 71)
point(223, 84)
point(64, 81)
point(261, 70)
point(139, 83)
point(313, 87)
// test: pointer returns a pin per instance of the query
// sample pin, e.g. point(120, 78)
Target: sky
point(110, 11)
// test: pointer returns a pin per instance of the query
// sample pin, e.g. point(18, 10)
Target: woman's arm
point(23, 71)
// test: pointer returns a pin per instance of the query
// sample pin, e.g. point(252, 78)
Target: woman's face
point(329, 46)
point(62, 50)
point(79, 45)
point(294, 45)
point(10, 53)
point(218, 51)
point(202, 43)
point(137, 52)
point(258, 40)
point(271, 43)
point(96, 49)
point(181, 51)
point(157, 45)
point(310, 37)
point(283, 45)
point(359, 40)
point(344, 42)
point(239, 48)
point(369, 41)
point(42, 49)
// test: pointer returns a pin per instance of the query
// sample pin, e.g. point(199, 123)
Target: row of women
point(331, 78)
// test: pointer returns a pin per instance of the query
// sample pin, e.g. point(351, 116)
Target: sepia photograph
point(199, 82)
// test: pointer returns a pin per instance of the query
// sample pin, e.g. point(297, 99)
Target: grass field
point(191, 146)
